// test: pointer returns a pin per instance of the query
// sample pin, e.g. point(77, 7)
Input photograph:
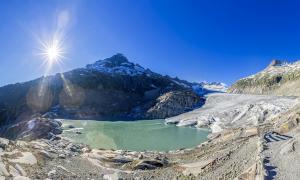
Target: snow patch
point(117, 64)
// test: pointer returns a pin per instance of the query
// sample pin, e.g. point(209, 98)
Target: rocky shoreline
point(239, 152)
point(61, 159)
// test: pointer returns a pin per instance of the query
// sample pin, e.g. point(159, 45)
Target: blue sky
point(195, 40)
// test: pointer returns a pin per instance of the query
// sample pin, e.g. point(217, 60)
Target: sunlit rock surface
point(279, 78)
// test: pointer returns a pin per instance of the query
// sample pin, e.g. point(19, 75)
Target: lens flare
point(52, 51)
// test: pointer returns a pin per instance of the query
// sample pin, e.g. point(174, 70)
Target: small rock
point(57, 130)
point(55, 123)
point(63, 168)
point(86, 150)
point(141, 156)
point(154, 163)
point(52, 172)
point(148, 165)
point(26, 158)
point(113, 176)
point(52, 137)
point(21, 178)
point(164, 160)
point(122, 152)
point(55, 138)
point(121, 159)
point(59, 122)
point(61, 144)
point(3, 170)
point(21, 170)
point(71, 126)
point(4, 143)
point(21, 144)
point(13, 171)
point(144, 166)
point(39, 145)
point(45, 154)
point(74, 148)
point(62, 156)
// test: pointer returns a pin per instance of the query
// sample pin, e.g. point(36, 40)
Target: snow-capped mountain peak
point(117, 64)
point(201, 88)
point(204, 87)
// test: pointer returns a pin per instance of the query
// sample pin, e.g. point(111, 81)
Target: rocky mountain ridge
point(109, 89)
point(279, 78)
point(118, 65)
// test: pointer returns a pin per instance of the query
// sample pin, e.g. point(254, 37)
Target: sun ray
point(67, 85)
point(52, 52)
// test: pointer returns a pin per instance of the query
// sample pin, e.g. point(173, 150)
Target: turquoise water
point(134, 135)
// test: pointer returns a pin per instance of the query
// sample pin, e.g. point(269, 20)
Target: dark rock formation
point(148, 165)
point(174, 103)
point(275, 63)
point(32, 129)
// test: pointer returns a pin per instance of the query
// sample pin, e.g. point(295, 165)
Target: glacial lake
point(133, 135)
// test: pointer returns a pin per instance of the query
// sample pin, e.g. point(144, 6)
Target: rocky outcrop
point(32, 129)
point(174, 103)
point(277, 79)
point(275, 63)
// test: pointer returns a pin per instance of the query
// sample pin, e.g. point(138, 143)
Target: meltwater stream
point(133, 135)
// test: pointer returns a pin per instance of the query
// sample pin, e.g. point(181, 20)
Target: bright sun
point(52, 51)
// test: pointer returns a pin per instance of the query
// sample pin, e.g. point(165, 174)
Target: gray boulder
point(32, 129)
point(148, 165)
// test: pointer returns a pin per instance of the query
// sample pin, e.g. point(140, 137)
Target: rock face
point(35, 128)
point(277, 79)
point(275, 63)
point(109, 89)
point(174, 103)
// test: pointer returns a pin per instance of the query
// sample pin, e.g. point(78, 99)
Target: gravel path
point(281, 155)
